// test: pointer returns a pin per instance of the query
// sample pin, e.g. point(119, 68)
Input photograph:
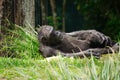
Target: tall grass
point(21, 42)
point(60, 68)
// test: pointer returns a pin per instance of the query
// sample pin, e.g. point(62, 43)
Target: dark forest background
point(65, 15)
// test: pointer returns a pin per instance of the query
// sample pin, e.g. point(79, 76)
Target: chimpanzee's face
point(49, 36)
point(45, 32)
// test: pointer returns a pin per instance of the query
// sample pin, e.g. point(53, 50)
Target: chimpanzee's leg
point(97, 52)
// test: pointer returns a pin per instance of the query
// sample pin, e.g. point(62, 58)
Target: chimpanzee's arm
point(48, 51)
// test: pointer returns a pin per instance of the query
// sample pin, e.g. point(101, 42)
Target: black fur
point(77, 44)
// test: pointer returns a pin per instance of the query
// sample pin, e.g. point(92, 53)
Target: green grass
point(60, 68)
point(23, 62)
point(21, 43)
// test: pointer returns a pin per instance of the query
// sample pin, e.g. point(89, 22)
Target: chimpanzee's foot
point(116, 47)
point(87, 53)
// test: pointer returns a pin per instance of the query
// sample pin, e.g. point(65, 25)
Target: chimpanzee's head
point(47, 35)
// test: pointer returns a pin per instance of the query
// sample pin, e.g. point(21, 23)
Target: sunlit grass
point(61, 68)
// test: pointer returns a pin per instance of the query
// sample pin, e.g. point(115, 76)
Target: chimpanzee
point(77, 44)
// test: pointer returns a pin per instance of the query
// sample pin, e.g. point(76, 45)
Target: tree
point(1, 13)
point(63, 14)
point(24, 12)
point(44, 11)
point(8, 13)
point(54, 13)
point(20, 12)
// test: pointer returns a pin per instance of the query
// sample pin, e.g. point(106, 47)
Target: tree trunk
point(1, 13)
point(28, 8)
point(20, 12)
point(38, 18)
point(44, 11)
point(53, 7)
point(24, 12)
point(63, 14)
point(8, 13)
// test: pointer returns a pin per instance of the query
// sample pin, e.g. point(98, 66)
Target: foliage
point(101, 15)
point(50, 21)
